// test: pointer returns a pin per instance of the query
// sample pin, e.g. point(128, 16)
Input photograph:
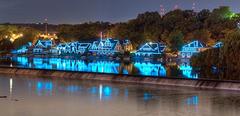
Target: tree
point(230, 56)
point(173, 20)
point(203, 35)
point(6, 45)
point(20, 42)
point(82, 31)
point(208, 66)
point(222, 63)
point(175, 41)
point(203, 15)
point(222, 12)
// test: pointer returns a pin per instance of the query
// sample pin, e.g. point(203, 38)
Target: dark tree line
point(6, 31)
point(174, 28)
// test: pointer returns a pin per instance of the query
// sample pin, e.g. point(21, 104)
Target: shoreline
point(178, 82)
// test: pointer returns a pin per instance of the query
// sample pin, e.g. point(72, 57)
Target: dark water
point(58, 97)
point(136, 67)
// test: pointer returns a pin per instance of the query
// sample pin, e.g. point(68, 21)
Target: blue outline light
point(190, 49)
point(106, 46)
point(218, 45)
point(150, 49)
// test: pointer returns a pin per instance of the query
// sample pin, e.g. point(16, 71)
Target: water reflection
point(147, 96)
point(193, 100)
point(94, 90)
point(145, 68)
point(10, 87)
point(187, 71)
point(99, 97)
point(150, 69)
point(105, 92)
point(73, 88)
point(44, 88)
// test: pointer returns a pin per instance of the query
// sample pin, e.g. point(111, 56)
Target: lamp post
point(101, 43)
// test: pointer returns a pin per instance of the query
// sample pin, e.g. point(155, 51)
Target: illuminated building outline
point(190, 49)
point(150, 49)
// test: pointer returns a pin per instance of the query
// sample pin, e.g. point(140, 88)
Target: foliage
point(82, 31)
point(206, 62)
point(207, 26)
point(175, 41)
point(6, 45)
point(225, 60)
point(230, 56)
point(29, 35)
point(202, 35)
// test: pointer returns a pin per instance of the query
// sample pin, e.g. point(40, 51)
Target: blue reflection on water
point(104, 67)
point(93, 90)
point(151, 69)
point(101, 66)
point(147, 96)
point(72, 88)
point(194, 100)
point(44, 88)
point(104, 92)
point(69, 64)
point(107, 91)
point(187, 72)
point(125, 71)
point(126, 92)
point(22, 60)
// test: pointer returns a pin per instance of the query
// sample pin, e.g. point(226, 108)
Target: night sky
point(79, 11)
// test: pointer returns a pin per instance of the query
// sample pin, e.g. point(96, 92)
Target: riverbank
point(200, 83)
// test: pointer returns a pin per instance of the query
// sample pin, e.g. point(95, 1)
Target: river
point(34, 96)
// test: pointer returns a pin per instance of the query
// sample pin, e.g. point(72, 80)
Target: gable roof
point(152, 48)
point(196, 44)
point(43, 43)
point(101, 44)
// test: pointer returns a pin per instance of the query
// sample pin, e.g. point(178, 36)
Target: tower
point(162, 10)
point(176, 7)
point(194, 5)
point(101, 35)
point(46, 26)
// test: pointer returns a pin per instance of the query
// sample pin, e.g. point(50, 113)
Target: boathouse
point(107, 46)
point(191, 48)
point(23, 50)
point(73, 48)
point(150, 49)
point(42, 46)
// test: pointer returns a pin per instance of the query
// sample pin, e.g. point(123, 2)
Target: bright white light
point(100, 92)
point(10, 86)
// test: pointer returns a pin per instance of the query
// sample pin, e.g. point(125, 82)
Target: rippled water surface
point(31, 96)
point(149, 67)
